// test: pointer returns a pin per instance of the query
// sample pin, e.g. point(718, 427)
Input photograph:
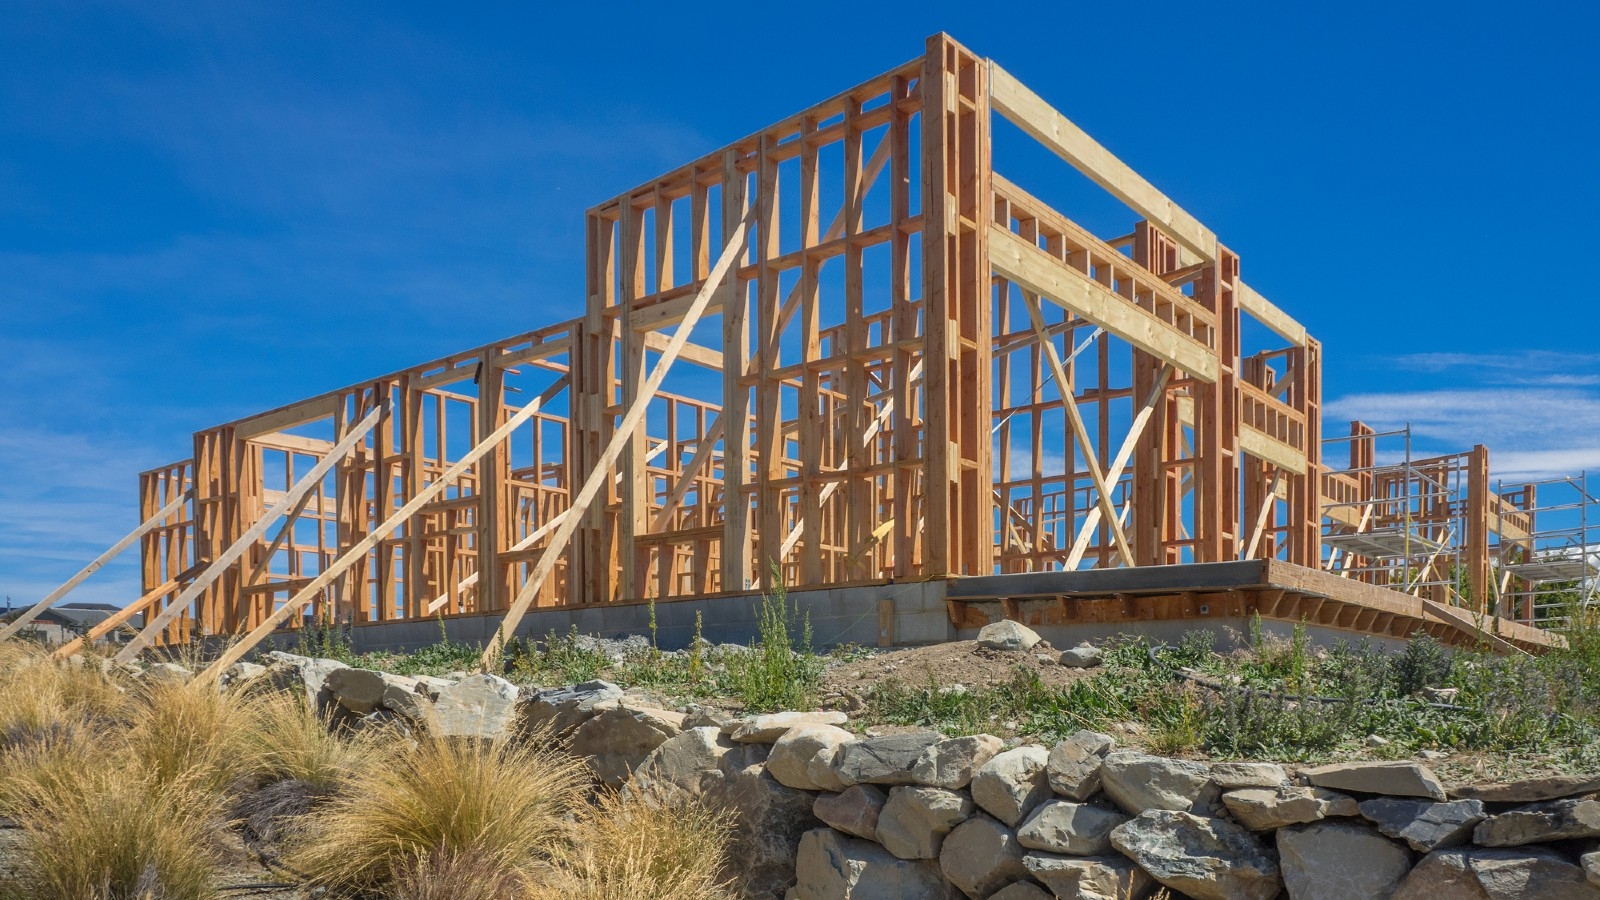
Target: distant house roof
point(76, 617)
point(108, 607)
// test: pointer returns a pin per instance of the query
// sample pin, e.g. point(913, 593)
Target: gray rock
point(1022, 890)
point(431, 686)
point(479, 706)
point(1234, 775)
point(1394, 779)
point(766, 729)
point(950, 763)
point(770, 822)
point(1075, 763)
point(1082, 656)
point(696, 763)
point(1266, 809)
point(238, 674)
point(854, 811)
point(1477, 874)
point(1207, 859)
point(358, 690)
point(167, 672)
point(803, 757)
point(882, 760)
point(1007, 635)
point(414, 701)
point(1011, 784)
point(1139, 782)
point(1424, 824)
point(915, 820)
point(1339, 861)
point(1530, 790)
point(981, 856)
point(1077, 829)
point(1088, 878)
point(561, 710)
point(303, 675)
point(1554, 820)
point(619, 738)
point(831, 866)
point(1591, 867)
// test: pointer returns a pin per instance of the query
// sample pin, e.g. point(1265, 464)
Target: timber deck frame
point(909, 368)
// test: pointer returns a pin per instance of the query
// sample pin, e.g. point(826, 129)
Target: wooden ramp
point(1273, 588)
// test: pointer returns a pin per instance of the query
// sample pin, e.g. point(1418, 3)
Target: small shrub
point(780, 671)
point(1424, 663)
point(490, 806)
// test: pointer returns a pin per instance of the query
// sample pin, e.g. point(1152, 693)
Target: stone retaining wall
point(825, 814)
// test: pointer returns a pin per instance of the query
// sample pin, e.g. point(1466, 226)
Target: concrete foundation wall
point(838, 616)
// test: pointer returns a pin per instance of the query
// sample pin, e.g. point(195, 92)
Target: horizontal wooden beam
point(1034, 270)
point(1270, 315)
point(1264, 447)
point(700, 355)
point(1013, 100)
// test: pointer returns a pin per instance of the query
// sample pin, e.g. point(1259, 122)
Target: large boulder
point(1424, 824)
point(767, 728)
point(411, 698)
point(559, 711)
point(1139, 782)
point(1551, 821)
point(770, 820)
point(237, 675)
point(1529, 790)
point(303, 675)
point(1089, 877)
point(951, 762)
point(695, 763)
point(803, 757)
point(1267, 809)
point(1078, 829)
point(1339, 861)
point(620, 737)
point(831, 866)
point(1007, 635)
point(362, 691)
point(882, 760)
point(478, 706)
point(854, 811)
point(1075, 763)
point(1011, 784)
point(981, 856)
point(915, 820)
point(1231, 776)
point(1393, 779)
point(1207, 859)
point(1462, 873)
point(1021, 890)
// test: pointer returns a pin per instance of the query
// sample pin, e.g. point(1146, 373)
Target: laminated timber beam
point(1028, 111)
point(1026, 265)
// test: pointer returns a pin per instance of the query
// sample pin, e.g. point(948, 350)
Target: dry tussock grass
point(111, 833)
point(121, 786)
point(445, 805)
point(635, 850)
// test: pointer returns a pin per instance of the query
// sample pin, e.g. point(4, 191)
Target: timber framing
point(846, 349)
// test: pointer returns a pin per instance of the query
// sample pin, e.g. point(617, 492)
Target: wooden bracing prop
point(111, 553)
point(620, 440)
point(156, 624)
point(237, 650)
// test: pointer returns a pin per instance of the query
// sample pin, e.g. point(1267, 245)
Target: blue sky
point(251, 191)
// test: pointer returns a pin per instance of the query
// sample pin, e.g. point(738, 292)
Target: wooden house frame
point(843, 350)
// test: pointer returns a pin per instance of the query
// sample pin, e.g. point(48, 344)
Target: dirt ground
point(947, 665)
